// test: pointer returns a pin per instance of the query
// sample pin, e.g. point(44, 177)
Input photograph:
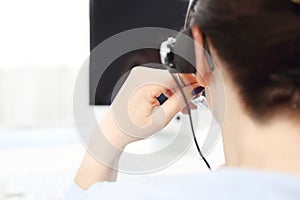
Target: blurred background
point(43, 44)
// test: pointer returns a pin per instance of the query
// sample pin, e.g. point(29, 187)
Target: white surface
point(38, 163)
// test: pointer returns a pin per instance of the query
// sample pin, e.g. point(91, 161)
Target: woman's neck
point(274, 146)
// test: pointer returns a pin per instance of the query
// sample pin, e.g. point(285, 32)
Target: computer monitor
point(108, 18)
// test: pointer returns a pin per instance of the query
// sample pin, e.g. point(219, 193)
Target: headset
point(177, 55)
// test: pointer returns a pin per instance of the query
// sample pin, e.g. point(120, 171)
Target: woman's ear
point(199, 55)
point(197, 35)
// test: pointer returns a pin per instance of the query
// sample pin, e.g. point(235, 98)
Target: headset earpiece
point(178, 53)
point(184, 46)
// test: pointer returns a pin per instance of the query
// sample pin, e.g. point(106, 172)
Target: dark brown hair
point(259, 40)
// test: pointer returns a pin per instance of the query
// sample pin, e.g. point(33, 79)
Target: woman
point(255, 45)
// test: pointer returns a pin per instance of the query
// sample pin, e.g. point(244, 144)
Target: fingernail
point(162, 98)
point(197, 90)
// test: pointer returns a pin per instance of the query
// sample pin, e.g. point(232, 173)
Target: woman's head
point(259, 43)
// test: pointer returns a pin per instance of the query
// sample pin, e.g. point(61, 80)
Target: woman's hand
point(136, 113)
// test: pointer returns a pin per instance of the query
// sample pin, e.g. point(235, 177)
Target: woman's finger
point(191, 106)
point(188, 79)
point(176, 102)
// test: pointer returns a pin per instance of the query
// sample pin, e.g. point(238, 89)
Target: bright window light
point(44, 33)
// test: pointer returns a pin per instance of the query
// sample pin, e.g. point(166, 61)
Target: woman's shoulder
point(226, 183)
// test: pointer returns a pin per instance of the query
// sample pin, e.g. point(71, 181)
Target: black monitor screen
point(108, 18)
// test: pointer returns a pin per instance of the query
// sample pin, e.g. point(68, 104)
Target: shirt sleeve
point(145, 187)
point(110, 190)
point(77, 193)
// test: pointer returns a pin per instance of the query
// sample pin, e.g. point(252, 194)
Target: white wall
point(43, 43)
